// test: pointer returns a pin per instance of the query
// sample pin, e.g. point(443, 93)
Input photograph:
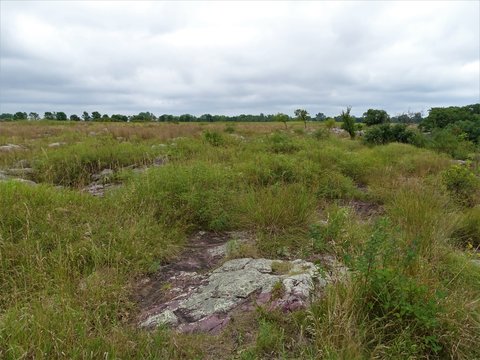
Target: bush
point(400, 306)
point(348, 122)
point(213, 138)
point(444, 140)
point(462, 184)
point(330, 123)
point(386, 133)
point(229, 129)
point(321, 134)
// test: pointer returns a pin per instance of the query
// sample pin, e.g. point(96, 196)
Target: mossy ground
point(68, 260)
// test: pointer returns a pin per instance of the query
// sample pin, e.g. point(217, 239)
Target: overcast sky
point(233, 58)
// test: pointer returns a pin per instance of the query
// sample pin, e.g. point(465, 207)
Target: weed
point(281, 267)
point(278, 290)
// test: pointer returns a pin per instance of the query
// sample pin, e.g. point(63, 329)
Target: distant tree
point(220, 118)
point(442, 117)
point(33, 116)
point(376, 117)
point(409, 118)
point(166, 117)
point(206, 118)
point(96, 116)
point(142, 117)
point(60, 116)
point(302, 115)
point(74, 117)
point(348, 122)
point(119, 118)
point(186, 118)
point(402, 118)
point(283, 118)
point(86, 116)
point(20, 116)
point(105, 117)
point(416, 117)
point(6, 117)
point(49, 115)
point(320, 117)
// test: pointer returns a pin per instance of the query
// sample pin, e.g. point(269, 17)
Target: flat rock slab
point(202, 289)
point(244, 282)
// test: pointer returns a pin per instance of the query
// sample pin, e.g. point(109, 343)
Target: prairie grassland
point(68, 260)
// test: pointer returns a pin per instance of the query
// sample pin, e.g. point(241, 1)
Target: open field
point(396, 216)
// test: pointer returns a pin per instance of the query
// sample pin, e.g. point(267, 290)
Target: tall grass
point(69, 262)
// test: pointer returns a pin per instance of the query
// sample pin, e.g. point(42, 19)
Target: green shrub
point(330, 123)
point(444, 140)
point(230, 129)
point(321, 134)
point(386, 133)
point(462, 184)
point(214, 138)
point(397, 302)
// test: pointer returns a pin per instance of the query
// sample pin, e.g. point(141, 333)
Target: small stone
point(24, 163)
point(19, 171)
point(56, 144)
point(103, 175)
point(10, 147)
point(167, 318)
point(25, 181)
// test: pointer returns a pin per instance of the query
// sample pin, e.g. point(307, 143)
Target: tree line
point(371, 116)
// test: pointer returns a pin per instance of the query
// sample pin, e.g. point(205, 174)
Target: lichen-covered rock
point(237, 282)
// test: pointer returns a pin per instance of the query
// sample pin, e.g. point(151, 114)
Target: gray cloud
point(191, 57)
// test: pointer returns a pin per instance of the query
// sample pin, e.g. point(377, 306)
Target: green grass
point(69, 261)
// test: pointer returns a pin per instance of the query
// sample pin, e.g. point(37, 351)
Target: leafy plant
point(462, 184)
point(348, 122)
point(214, 138)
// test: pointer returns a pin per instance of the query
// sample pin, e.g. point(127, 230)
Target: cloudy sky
point(238, 57)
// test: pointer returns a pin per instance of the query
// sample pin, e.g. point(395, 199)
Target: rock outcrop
point(204, 288)
point(204, 302)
